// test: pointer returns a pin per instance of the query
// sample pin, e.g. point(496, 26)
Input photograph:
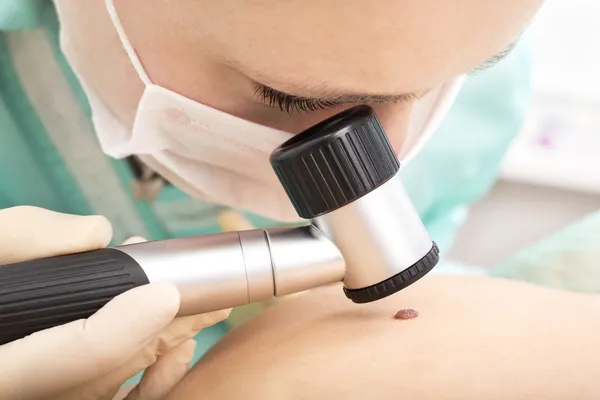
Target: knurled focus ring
point(397, 282)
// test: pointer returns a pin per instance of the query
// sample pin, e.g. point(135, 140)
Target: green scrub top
point(49, 156)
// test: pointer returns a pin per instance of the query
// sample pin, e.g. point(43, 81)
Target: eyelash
point(495, 59)
point(289, 103)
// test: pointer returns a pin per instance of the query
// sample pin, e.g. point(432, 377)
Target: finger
point(232, 221)
point(196, 323)
point(72, 354)
point(30, 232)
point(173, 335)
point(109, 386)
point(123, 392)
point(168, 370)
point(134, 240)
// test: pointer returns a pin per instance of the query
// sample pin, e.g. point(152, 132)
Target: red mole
point(406, 313)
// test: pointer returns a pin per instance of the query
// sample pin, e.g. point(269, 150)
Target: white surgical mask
point(218, 157)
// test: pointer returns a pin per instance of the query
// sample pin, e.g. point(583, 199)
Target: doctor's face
point(291, 63)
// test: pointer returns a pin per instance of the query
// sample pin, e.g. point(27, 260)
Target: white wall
point(551, 176)
point(514, 216)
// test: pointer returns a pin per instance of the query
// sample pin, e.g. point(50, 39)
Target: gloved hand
point(92, 358)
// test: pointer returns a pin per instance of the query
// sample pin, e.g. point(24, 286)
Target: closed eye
point(291, 103)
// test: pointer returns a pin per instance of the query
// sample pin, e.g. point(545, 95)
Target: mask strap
point(133, 57)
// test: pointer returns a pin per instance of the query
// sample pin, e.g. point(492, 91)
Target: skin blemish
point(406, 313)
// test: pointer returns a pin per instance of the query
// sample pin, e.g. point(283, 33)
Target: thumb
point(69, 355)
point(30, 232)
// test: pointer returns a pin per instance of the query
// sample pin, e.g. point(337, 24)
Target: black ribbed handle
point(335, 162)
point(41, 294)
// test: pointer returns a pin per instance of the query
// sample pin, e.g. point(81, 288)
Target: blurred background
point(510, 182)
point(516, 160)
point(550, 177)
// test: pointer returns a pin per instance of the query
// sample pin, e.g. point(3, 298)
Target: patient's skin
point(509, 341)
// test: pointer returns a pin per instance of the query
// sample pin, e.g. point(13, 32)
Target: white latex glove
point(92, 358)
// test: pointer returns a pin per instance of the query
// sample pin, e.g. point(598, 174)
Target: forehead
point(383, 46)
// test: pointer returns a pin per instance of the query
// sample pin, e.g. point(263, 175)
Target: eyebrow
point(360, 98)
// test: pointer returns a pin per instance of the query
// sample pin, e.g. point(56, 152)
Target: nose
point(395, 119)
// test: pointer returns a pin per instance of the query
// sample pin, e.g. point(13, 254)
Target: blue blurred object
point(21, 14)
